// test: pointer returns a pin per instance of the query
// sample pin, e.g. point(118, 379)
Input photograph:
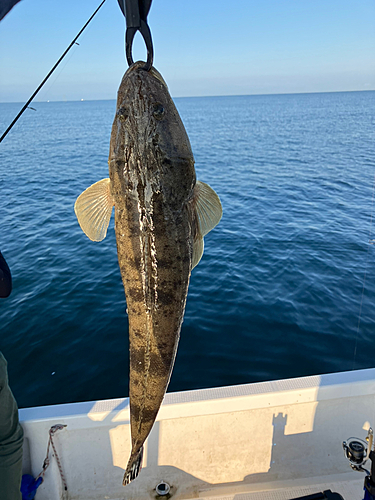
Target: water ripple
point(278, 290)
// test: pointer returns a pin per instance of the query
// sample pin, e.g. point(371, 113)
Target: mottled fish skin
point(152, 175)
point(162, 214)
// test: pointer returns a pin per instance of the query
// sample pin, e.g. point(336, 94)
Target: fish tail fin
point(134, 467)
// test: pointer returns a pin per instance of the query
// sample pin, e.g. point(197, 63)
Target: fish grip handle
point(136, 12)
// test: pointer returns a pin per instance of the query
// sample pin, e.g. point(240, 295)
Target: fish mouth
point(154, 72)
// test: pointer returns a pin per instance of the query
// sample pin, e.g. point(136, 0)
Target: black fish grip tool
point(136, 12)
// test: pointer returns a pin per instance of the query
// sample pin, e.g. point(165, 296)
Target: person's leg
point(11, 440)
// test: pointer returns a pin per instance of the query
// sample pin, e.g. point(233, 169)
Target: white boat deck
point(344, 484)
point(266, 441)
point(349, 489)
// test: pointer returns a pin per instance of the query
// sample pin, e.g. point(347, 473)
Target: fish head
point(148, 134)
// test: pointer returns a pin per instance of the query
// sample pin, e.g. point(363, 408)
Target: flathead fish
point(162, 214)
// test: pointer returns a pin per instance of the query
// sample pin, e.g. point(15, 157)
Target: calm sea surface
point(278, 291)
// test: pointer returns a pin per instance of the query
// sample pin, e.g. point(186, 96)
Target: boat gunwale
point(299, 390)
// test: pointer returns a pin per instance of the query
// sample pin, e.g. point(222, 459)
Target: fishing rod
point(358, 452)
point(49, 74)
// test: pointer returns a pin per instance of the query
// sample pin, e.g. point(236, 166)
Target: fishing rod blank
point(49, 74)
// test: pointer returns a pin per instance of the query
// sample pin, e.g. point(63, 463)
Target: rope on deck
point(46, 462)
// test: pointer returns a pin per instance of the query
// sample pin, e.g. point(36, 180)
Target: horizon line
point(201, 96)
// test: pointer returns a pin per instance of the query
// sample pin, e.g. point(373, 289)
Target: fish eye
point(123, 114)
point(158, 111)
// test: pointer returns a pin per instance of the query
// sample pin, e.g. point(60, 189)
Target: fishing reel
point(358, 451)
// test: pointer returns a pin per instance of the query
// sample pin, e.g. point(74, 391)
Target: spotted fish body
point(161, 216)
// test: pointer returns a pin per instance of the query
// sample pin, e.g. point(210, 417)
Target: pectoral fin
point(208, 207)
point(93, 209)
point(208, 212)
point(198, 247)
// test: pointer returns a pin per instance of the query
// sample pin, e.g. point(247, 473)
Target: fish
point(162, 213)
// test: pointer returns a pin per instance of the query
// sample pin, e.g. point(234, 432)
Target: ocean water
point(285, 288)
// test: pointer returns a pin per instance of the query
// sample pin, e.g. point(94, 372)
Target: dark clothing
point(11, 440)
point(5, 6)
point(5, 278)
point(11, 433)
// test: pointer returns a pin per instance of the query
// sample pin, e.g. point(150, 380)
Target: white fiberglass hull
point(270, 440)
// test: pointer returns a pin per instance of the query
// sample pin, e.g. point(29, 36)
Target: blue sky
point(205, 47)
